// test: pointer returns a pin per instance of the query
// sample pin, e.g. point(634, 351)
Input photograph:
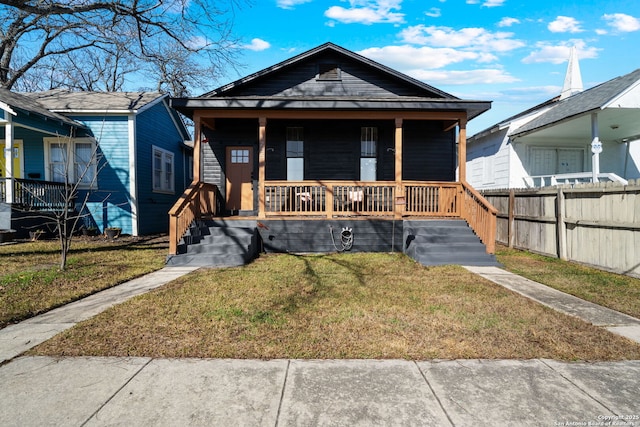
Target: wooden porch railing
point(347, 198)
point(481, 216)
point(197, 201)
point(330, 199)
point(34, 195)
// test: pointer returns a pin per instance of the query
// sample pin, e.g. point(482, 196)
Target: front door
point(16, 156)
point(239, 172)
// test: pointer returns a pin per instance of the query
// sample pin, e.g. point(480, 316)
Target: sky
point(511, 52)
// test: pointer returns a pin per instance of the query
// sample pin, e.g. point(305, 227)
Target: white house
point(578, 136)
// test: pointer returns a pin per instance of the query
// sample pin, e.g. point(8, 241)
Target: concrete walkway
point(97, 391)
point(611, 320)
point(18, 338)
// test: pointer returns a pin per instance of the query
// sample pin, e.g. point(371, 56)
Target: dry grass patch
point(616, 291)
point(337, 306)
point(31, 282)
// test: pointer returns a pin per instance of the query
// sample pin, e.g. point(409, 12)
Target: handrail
point(481, 216)
point(571, 178)
point(33, 194)
point(198, 200)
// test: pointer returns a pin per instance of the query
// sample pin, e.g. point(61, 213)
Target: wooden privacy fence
point(595, 224)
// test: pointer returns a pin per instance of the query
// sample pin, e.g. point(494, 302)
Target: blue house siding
point(32, 152)
point(154, 127)
point(110, 204)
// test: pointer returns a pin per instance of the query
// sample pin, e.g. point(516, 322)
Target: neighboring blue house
point(143, 159)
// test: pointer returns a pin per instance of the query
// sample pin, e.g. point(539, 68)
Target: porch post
point(596, 148)
point(8, 160)
point(262, 150)
point(462, 150)
point(197, 146)
point(398, 208)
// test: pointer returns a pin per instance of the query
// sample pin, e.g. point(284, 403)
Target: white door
point(570, 160)
point(543, 161)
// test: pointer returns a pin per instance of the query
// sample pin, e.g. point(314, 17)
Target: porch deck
point(330, 200)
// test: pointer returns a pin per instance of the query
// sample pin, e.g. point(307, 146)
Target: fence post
point(511, 232)
point(561, 227)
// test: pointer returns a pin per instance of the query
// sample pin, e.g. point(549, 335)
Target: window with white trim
point(368, 153)
point(295, 154)
point(163, 174)
point(72, 162)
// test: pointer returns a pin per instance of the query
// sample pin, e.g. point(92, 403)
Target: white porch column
point(596, 147)
point(8, 157)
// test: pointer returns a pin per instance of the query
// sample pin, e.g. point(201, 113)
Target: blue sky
point(511, 52)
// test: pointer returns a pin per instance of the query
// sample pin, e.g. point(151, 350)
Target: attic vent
point(328, 72)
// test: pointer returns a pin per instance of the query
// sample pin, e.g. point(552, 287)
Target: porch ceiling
point(614, 125)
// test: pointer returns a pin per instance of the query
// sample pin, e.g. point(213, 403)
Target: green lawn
point(616, 291)
point(31, 283)
point(337, 306)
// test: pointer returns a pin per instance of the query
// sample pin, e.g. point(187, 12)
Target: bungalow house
point(579, 136)
point(328, 151)
point(141, 168)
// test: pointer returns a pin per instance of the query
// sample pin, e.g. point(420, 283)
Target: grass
point(616, 291)
point(31, 282)
point(337, 306)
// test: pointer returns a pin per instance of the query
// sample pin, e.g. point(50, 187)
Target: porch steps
point(439, 242)
point(217, 243)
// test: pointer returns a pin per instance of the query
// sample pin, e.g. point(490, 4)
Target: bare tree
point(96, 44)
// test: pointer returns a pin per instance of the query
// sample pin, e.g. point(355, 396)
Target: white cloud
point(410, 57)
point(197, 42)
point(557, 54)
point(507, 22)
point(434, 12)
point(493, 3)
point(257, 45)
point(483, 76)
point(469, 38)
point(290, 4)
point(487, 3)
point(367, 12)
point(622, 22)
point(565, 24)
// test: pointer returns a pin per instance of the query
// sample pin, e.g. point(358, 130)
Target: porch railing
point(481, 216)
point(34, 195)
point(347, 198)
point(330, 199)
point(198, 200)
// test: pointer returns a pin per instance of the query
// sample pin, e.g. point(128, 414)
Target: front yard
point(30, 282)
point(323, 306)
point(354, 306)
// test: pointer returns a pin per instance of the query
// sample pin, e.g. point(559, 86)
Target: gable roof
point(29, 106)
point(329, 47)
point(65, 101)
point(581, 103)
point(266, 89)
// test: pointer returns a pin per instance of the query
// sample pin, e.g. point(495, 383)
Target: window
point(81, 170)
point(368, 153)
point(162, 171)
point(328, 72)
point(295, 154)
point(239, 156)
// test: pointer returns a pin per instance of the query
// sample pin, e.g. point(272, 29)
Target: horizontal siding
point(110, 204)
point(428, 152)
point(154, 127)
point(357, 79)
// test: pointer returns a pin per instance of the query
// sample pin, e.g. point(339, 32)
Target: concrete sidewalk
point(39, 391)
point(613, 321)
